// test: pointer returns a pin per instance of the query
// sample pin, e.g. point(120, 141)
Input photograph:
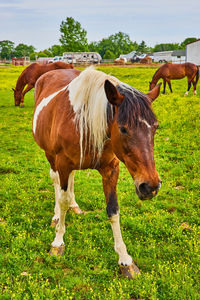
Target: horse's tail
point(197, 75)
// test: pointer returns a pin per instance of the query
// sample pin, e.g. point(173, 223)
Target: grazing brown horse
point(92, 120)
point(29, 77)
point(176, 71)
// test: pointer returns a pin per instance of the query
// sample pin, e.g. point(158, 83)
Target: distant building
point(178, 56)
point(193, 52)
point(128, 56)
point(162, 56)
point(82, 57)
point(21, 61)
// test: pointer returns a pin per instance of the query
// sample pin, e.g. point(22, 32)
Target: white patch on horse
point(65, 200)
point(145, 122)
point(56, 181)
point(120, 247)
point(42, 104)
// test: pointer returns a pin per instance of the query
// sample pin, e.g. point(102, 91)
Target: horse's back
point(52, 81)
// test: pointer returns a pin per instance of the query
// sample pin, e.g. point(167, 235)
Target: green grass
point(167, 255)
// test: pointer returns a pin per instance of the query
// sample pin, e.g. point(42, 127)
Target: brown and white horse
point(92, 120)
point(170, 71)
point(29, 77)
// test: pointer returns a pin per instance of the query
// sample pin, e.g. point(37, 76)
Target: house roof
point(178, 53)
point(193, 42)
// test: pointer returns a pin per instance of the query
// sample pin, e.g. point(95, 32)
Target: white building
point(178, 57)
point(128, 56)
point(193, 52)
point(163, 56)
point(82, 57)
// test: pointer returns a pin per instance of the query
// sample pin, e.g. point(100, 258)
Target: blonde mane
point(88, 98)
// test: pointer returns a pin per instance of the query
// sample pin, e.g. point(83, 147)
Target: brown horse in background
point(176, 71)
point(92, 120)
point(29, 77)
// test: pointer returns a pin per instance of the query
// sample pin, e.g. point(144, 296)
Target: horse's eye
point(123, 130)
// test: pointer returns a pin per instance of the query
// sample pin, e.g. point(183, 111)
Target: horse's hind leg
point(64, 200)
point(189, 86)
point(110, 177)
point(72, 203)
point(194, 87)
point(170, 87)
point(56, 182)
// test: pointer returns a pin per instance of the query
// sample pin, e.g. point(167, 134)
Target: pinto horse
point(29, 77)
point(170, 71)
point(92, 120)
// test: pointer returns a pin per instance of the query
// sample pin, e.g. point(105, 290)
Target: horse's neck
point(156, 76)
point(21, 82)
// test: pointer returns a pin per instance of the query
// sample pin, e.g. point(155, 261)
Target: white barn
point(178, 57)
point(193, 52)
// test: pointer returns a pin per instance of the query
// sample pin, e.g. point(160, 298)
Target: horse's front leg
point(164, 86)
point(28, 88)
point(110, 177)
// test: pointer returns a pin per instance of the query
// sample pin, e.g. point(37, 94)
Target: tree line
point(73, 38)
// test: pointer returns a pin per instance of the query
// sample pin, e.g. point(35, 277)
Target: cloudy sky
point(37, 22)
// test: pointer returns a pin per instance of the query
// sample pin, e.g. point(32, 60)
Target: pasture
point(162, 235)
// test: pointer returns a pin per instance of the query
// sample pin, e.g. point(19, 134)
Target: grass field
point(162, 235)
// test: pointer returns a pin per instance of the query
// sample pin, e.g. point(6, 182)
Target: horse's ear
point(154, 93)
point(112, 94)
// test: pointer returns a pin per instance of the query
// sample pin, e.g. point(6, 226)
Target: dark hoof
point(54, 222)
point(21, 105)
point(130, 271)
point(57, 251)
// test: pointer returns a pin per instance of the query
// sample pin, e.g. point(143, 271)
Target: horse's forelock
point(136, 106)
point(89, 102)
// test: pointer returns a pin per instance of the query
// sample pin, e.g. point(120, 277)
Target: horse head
point(132, 135)
point(17, 97)
point(151, 85)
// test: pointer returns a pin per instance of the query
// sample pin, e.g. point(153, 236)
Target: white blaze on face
point(145, 122)
point(42, 104)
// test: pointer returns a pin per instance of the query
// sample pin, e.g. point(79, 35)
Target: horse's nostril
point(145, 189)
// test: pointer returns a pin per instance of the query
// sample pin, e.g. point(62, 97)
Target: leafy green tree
point(6, 49)
point(187, 41)
point(166, 47)
point(118, 43)
point(73, 36)
point(41, 54)
point(109, 55)
point(47, 52)
point(122, 43)
point(56, 50)
point(23, 50)
point(93, 47)
point(33, 56)
point(142, 47)
point(104, 45)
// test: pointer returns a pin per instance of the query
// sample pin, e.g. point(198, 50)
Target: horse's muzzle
point(145, 191)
